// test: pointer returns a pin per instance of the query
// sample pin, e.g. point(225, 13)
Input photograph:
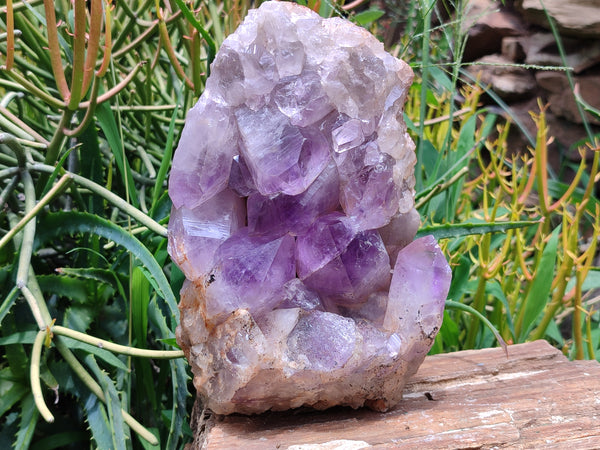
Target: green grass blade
point(179, 380)
point(140, 297)
point(494, 288)
point(61, 223)
point(108, 124)
point(113, 404)
point(456, 230)
point(10, 394)
point(165, 163)
point(539, 293)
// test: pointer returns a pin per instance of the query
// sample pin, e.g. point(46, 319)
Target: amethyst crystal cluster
point(293, 220)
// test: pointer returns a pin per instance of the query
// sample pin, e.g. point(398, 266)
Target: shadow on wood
point(471, 399)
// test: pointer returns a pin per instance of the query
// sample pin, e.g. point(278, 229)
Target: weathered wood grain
point(472, 399)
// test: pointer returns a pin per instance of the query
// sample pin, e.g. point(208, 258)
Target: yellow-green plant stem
point(110, 197)
point(34, 372)
point(55, 145)
point(588, 331)
point(577, 324)
point(116, 348)
point(11, 142)
point(115, 89)
point(478, 305)
point(97, 391)
point(33, 89)
point(56, 189)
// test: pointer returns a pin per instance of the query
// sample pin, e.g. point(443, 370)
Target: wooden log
point(535, 398)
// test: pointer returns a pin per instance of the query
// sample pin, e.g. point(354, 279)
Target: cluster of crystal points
point(293, 200)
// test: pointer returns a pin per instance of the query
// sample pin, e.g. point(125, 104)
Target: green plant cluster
point(92, 97)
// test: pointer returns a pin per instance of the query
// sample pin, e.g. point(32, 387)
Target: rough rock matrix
point(293, 200)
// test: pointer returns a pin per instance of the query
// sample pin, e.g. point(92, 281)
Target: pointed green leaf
point(57, 224)
point(107, 122)
point(98, 422)
point(113, 404)
point(456, 230)
point(539, 293)
point(368, 16)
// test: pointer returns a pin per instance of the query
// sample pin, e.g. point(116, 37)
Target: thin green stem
point(34, 372)
point(89, 113)
point(423, 99)
point(478, 305)
point(11, 142)
point(26, 249)
point(462, 307)
point(110, 197)
point(117, 348)
point(10, 186)
point(577, 323)
point(56, 189)
point(33, 305)
point(115, 89)
point(97, 390)
point(55, 145)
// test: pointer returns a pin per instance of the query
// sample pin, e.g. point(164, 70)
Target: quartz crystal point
point(293, 221)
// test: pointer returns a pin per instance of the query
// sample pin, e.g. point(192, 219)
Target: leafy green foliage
point(96, 99)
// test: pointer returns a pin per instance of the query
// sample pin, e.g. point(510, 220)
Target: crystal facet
point(293, 221)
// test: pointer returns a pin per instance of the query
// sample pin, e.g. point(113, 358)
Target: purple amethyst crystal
point(293, 221)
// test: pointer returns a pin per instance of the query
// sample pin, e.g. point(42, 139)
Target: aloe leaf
point(98, 422)
point(104, 276)
point(108, 124)
point(20, 337)
point(105, 355)
point(11, 393)
point(446, 231)
point(539, 293)
point(71, 288)
point(78, 317)
point(113, 404)
point(57, 224)
point(8, 302)
point(29, 419)
point(179, 380)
